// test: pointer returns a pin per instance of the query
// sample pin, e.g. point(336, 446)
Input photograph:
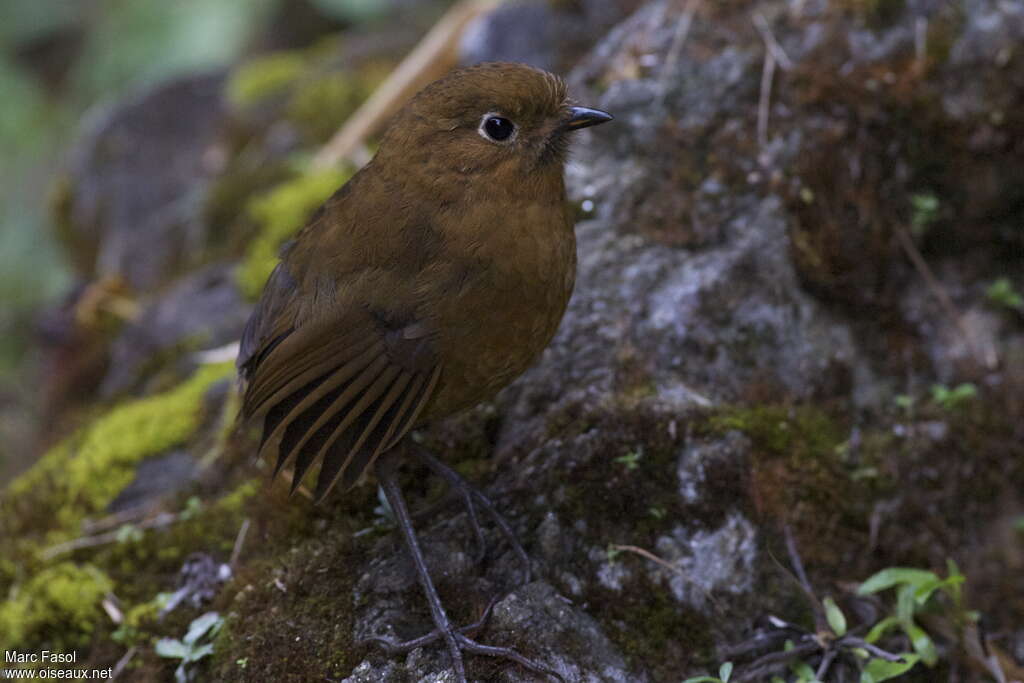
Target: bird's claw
point(464, 642)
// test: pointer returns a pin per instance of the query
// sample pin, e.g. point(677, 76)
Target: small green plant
point(955, 398)
point(905, 402)
point(1002, 293)
point(630, 460)
point(189, 649)
point(914, 589)
point(924, 212)
point(724, 672)
point(657, 511)
point(193, 506)
point(129, 533)
point(612, 552)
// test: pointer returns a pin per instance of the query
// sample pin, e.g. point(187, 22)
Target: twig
point(239, 542)
point(122, 663)
point(920, 40)
point(773, 55)
point(435, 54)
point(820, 621)
point(854, 641)
point(676, 47)
point(116, 520)
point(826, 662)
point(649, 555)
point(770, 43)
point(161, 520)
point(984, 355)
point(767, 664)
point(764, 100)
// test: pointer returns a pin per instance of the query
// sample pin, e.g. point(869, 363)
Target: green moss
point(320, 105)
point(84, 473)
point(58, 607)
point(780, 429)
point(280, 213)
point(264, 77)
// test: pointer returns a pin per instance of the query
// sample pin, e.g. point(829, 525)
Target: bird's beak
point(582, 117)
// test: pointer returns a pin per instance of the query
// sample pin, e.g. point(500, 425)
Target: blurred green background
point(58, 60)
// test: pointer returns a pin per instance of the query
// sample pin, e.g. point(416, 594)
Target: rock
point(156, 477)
point(203, 310)
point(134, 193)
point(549, 35)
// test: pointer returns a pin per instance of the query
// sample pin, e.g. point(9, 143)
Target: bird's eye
point(497, 128)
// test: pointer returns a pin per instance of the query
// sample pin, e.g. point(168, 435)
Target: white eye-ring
point(496, 128)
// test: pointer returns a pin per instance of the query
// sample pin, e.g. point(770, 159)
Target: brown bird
point(424, 285)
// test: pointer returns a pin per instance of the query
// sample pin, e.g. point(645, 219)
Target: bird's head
point(492, 117)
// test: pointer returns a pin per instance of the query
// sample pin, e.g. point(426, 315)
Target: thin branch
point(764, 99)
point(986, 356)
point(826, 662)
point(770, 43)
point(650, 556)
point(122, 663)
point(161, 520)
point(432, 57)
point(239, 542)
point(853, 641)
point(676, 48)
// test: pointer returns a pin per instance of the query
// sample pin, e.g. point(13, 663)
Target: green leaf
point(1001, 292)
point(725, 671)
point(197, 653)
point(881, 670)
point(803, 670)
point(893, 576)
point(922, 643)
point(879, 629)
point(172, 648)
point(200, 625)
point(925, 590)
point(703, 679)
point(834, 615)
point(905, 604)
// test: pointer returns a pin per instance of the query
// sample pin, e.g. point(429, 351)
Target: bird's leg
point(387, 471)
point(455, 639)
point(470, 493)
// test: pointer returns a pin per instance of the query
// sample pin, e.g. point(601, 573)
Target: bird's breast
point(508, 283)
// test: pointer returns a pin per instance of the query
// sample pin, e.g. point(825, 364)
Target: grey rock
point(202, 310)
point(137, 179)
point(155, 478)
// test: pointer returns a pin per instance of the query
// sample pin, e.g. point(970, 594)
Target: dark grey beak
point(582, 117)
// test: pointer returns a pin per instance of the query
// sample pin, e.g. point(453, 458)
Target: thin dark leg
point(386, 467)
point(469, 493)
point(405, 646)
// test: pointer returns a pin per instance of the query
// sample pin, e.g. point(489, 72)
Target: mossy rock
point(58, 608)
point(81, 475)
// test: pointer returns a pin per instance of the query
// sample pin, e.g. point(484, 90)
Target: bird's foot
point(462, 643)
point(403, 647)
point(456, 641)
point(471, 497)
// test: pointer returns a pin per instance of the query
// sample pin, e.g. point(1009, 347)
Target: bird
point(425, 284)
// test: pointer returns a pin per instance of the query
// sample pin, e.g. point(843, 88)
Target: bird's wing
point(341, 387)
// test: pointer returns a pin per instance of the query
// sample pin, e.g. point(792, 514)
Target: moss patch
point(264, 77)
point(58, 607)
point(84, 473)
point(280, 213)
